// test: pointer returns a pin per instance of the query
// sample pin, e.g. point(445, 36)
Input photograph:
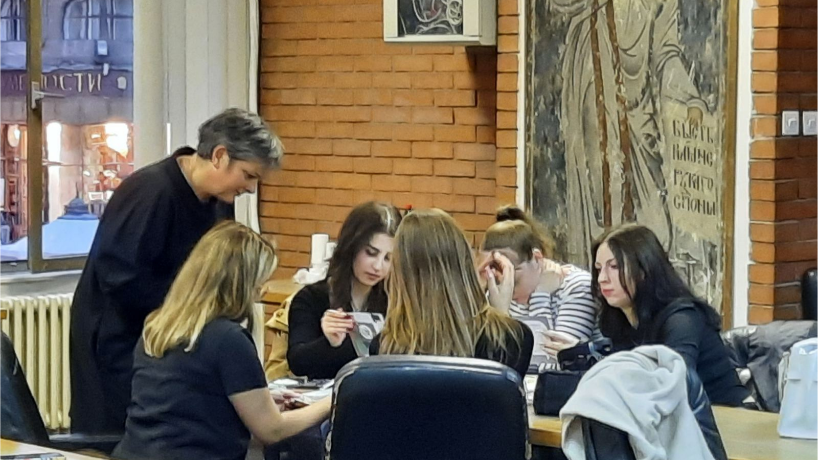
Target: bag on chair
point(555, 386)
point(798, 417)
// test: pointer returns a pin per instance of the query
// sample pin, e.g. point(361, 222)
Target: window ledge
point(35, 284)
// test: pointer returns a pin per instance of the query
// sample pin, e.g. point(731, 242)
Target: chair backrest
point(809, 294)
point(21, 419)
point(411, 407)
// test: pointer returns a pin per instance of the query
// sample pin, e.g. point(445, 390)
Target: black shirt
point(683, 327)
point(517, 357)
point(149, 227)
point(309, 353)
point(180, 407)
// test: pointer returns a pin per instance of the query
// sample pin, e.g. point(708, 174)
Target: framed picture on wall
point(630, 117)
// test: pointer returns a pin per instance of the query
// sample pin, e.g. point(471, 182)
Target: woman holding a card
point(199, 390)
point(557, 294)
point(321, 315)
point(437, 305)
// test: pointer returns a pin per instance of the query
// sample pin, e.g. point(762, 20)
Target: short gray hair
point(245, 136)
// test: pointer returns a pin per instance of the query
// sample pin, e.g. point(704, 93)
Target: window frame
point(18, 19)
point(107, 18)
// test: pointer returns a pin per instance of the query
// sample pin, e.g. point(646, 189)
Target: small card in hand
point(367, 326)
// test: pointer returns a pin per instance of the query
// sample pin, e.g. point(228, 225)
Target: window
point(59, 166)
point(99, 20)
point(13, 21)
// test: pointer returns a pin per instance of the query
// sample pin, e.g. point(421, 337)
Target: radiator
point(38, 327)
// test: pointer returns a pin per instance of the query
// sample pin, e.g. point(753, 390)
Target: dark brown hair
point(518, 231)
point(365, 221)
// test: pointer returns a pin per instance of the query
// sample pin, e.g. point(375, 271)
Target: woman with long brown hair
point(436, 303)
point(319, 343)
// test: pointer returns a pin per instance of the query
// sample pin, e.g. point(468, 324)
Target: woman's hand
point(284, 399)
point(555, 341)
point(336, 324)
point(551, 276)
point(498, 273)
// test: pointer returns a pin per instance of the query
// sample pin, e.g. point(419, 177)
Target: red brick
point(333, 164)
point(298, 163)
point(414, 133)
point(391, 149)
point(391, 114)
point(412, 63)
point(455, 133)
point(413, 98)
point(454, 98)
point(414, 167)
point(507, 63)
point(454, 203)
point(431, 184)
point(432, 150)
point(432, 80)
point(333, 64)
point(481, 117)
point(353, 80)
point(760, 314)
point(507, 177)
point(485, 169)
point(333, 97)
point(373, 165)
point(392, 183)
point(334, 130)
point(352, 113)
point(474, 152)
point(372, 97)
point(391, 80)
point(453, 63)
point(486, 135)
point(476, 187)
point(374, 131)
point(297, 195)
point(351, 181)
point(432, 115)
point(454, 168)
point(373, 64)
point(348, 147)
point(507, 138)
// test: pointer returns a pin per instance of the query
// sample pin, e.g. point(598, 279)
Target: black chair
point(21, 419)
point(756, 351)
point(809, 294)
point(603, 442)
point(422, 407)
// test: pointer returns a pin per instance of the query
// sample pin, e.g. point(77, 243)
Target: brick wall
point(362, 119)
point(436, 126)
point(782, 169)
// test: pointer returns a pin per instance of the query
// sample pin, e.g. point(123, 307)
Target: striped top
point(570, 309)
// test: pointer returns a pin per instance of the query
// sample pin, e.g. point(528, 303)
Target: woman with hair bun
point(543, 287)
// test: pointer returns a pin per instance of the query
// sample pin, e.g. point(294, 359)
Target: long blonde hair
point(221, 278)
point(436, 305)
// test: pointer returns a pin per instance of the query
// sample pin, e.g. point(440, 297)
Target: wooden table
point(747, 435)
point(20, 448)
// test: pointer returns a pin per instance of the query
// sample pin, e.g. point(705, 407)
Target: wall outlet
point(810, 123)
point(790, 123)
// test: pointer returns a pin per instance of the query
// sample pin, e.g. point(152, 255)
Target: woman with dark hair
point(644, 301)
point(319, 344)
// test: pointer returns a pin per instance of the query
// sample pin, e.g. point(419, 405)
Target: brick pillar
point(782, 169)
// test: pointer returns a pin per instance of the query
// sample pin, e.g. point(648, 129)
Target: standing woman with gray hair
point(151, 224)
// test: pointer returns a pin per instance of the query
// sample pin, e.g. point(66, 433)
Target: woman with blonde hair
point(198, 388)
point(436, 303)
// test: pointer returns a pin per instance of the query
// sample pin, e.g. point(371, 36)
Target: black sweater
point(683, 327)
point(518, 357)
point(308, 351)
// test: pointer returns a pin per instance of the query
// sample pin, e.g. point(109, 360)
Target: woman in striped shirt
point(543, 288)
